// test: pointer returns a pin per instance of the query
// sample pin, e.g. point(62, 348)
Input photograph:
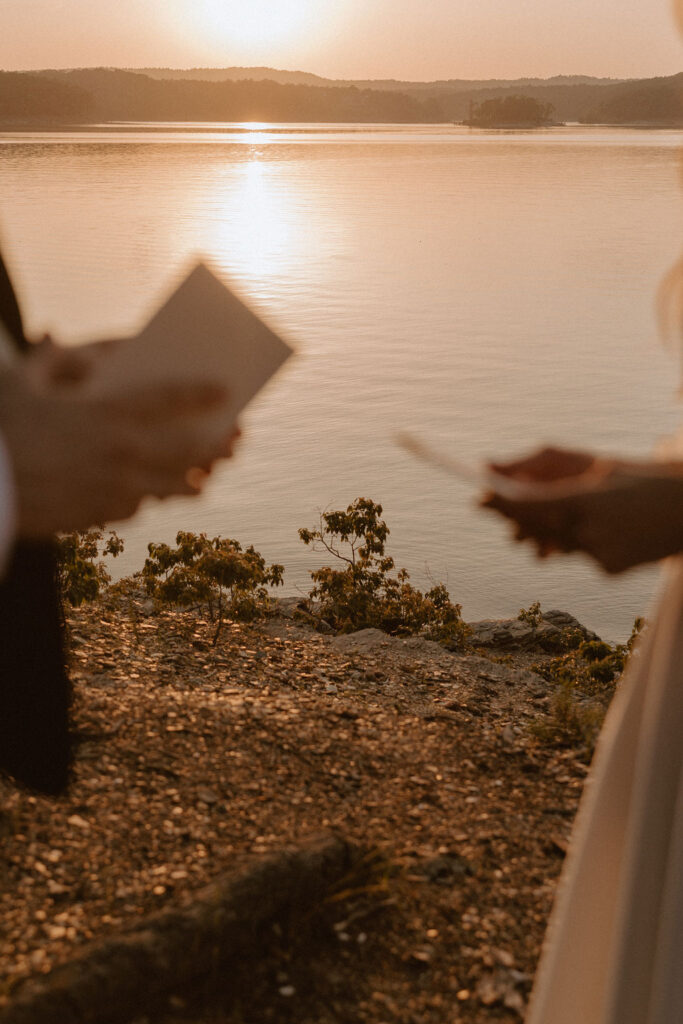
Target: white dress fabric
point(614, 948)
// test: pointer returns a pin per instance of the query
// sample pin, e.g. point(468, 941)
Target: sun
point(254, 24)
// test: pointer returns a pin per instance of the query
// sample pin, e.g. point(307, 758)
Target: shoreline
point(212, 126)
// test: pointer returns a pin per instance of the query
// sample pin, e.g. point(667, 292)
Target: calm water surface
point(489, 291)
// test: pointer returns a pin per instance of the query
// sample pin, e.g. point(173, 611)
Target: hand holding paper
point(203, 334)
point(93, 431)
point(483, 477)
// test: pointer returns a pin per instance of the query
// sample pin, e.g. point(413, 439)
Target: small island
point(511, 112)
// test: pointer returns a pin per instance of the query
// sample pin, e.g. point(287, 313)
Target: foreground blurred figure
point(67, 462)
point(614, 949)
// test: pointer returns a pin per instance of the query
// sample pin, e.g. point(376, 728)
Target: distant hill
point(236, 74)
point(653, 101)
point(256, 74)
point(131, 96)
point(30, 97)
point(581, 101)
point(267, 94)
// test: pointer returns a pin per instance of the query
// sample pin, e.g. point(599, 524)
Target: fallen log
point(125, 976)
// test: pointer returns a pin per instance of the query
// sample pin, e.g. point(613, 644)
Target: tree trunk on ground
point(125, 976)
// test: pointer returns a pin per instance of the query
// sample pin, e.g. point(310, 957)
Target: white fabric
point(614, 950)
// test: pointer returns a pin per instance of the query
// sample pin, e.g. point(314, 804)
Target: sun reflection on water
point(258, 228)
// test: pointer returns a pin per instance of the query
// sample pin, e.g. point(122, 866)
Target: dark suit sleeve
point(9, 308)
point(35, 747)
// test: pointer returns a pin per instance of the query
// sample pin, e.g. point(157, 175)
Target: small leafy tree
point(81, 574)
point(216, 573)
point(363, 592)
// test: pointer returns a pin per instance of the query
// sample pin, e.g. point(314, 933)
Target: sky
point(408, 39)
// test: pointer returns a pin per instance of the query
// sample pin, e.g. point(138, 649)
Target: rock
point(208, 796)
point(513, 634)
point(423, 954)
point(100, 679)
point(367, 641)
point(286, 606)
point(478, 670)
point(508, 735)
point(446, 869)
point(76, 821)
point(419, 645)
point(364, 640)
point(55, 889)
point(500, 987)
point(297, 608)
point(563, 620)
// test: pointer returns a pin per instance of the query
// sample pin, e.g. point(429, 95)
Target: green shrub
point(532, 615)
point(367, 591)
point(585, 677)
point(217, 574)
point(595, 650)
point(81, 574)
point(571, 721)
point(570, 639)
point(592, 665)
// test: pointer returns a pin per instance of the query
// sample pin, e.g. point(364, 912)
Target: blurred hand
point(51, 363)
point(620, 513)
point(78, 461)
point(546, 465)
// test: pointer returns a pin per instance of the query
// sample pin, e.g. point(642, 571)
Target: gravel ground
point(192, 759)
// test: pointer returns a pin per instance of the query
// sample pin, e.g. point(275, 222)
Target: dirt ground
point(193, 759)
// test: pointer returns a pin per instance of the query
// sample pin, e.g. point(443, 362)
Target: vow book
point(202, 334)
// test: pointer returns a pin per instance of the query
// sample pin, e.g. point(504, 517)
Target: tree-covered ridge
point(92, 95)
point(25, 97)
point(657, 101)
point(125, 96)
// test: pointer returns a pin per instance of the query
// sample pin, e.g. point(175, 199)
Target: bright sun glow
point(257, 229)
point(254, 23)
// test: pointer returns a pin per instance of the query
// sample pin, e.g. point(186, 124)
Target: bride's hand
point(620, 513)
point(546, 465)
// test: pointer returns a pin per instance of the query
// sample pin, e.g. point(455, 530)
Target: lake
point(488, 290)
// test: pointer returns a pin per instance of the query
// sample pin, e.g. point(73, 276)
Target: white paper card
point(203, 334)
point(481, 477)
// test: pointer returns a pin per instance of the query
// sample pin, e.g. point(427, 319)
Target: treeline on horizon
point(101, 94)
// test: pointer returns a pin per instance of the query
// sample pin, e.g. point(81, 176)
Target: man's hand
point(78, 461)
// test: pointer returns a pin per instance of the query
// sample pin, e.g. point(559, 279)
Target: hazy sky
point(413, 39)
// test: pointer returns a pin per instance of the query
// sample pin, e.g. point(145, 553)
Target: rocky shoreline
point(195, 760)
